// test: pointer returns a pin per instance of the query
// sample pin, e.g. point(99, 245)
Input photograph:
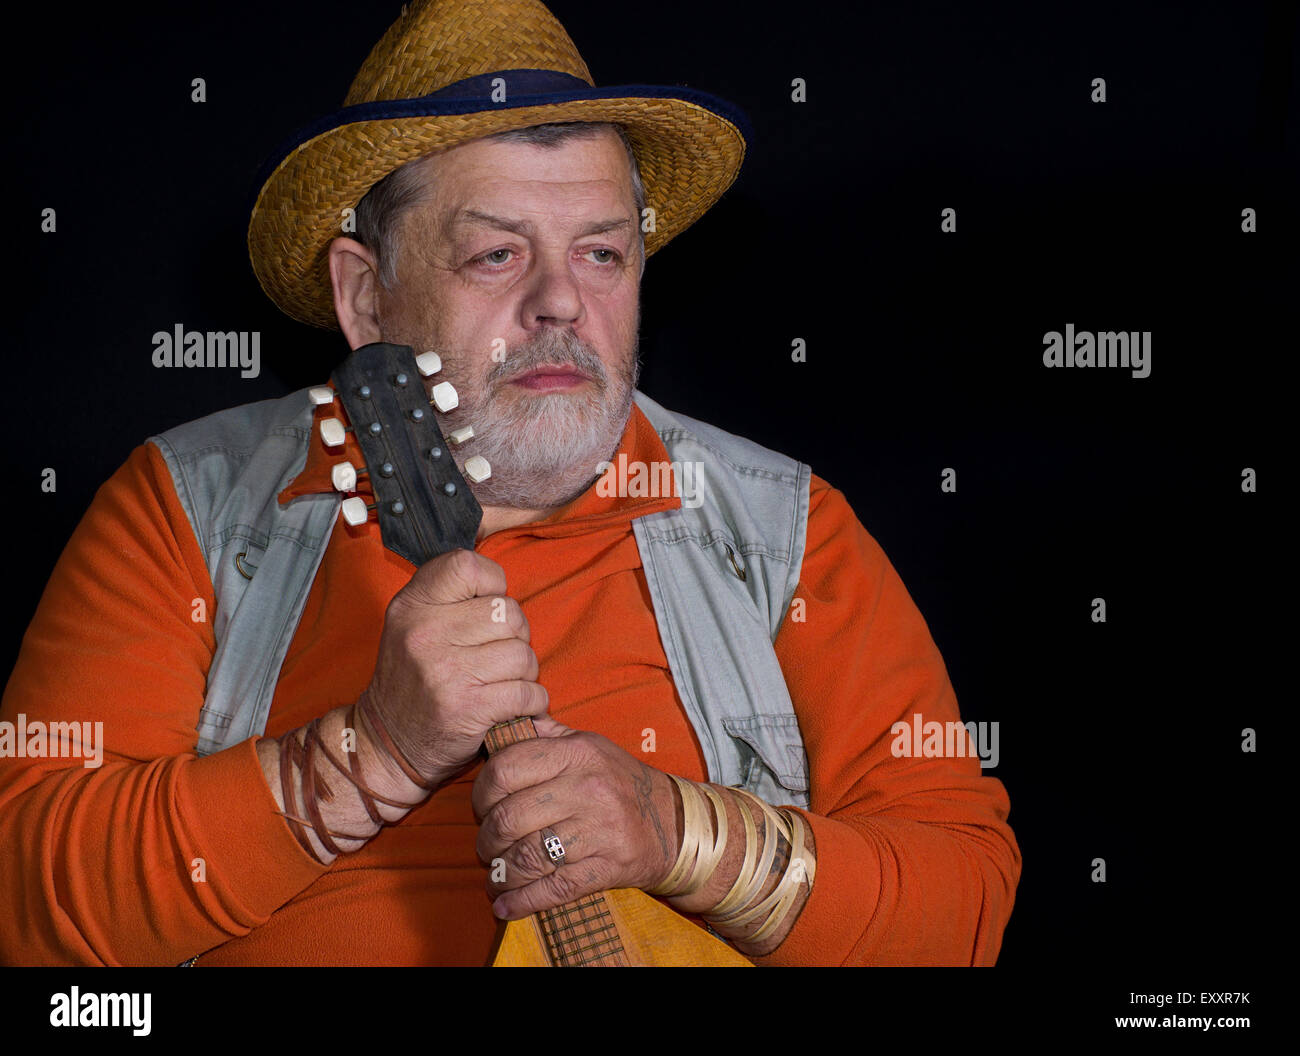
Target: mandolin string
point(574, 956)
point(596, 922)
point(570, 951)
point(591, 913)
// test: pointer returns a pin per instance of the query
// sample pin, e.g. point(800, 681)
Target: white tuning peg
point(344, 476)
point(459, 436)
point(320, 395)
point(332, 432)
point(355, 511)
point(477, 469)
point(444, 397)
point(428, 363)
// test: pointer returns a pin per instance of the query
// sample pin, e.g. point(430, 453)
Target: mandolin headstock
point(424, 505)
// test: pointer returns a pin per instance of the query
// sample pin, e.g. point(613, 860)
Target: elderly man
point(712, 671)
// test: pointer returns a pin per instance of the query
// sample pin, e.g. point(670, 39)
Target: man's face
point(522, 271)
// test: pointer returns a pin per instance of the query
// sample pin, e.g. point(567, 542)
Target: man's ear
point(355, 278)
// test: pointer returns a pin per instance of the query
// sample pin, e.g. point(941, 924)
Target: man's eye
point(613, 256)
point(495, 256)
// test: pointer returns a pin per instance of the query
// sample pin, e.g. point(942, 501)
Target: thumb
point(549, 727)
point(456, 575)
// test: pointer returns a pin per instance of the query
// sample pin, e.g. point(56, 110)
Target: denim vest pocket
point(774, 765)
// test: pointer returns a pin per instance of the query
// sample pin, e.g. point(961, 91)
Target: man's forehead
point(483, 181)
point(459, 218)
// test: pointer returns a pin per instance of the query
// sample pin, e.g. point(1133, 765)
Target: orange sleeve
point(916, 863)
point(101, 864)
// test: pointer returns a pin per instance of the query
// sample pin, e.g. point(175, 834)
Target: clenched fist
point(454, 660)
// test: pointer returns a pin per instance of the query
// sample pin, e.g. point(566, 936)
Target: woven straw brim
point(688, 156)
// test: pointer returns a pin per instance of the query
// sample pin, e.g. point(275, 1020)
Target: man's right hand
point(454, 660)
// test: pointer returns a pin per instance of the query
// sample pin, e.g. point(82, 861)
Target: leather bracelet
point(355, 776)
point(309, 782)
point(313, 740)
point(377, 724)
point(287, 745)
point(307, 822)
point(368, 795)
point(291, 753)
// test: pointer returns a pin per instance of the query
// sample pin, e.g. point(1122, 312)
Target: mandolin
point(425, 507)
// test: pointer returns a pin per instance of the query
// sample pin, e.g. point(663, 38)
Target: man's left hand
point(615, 816)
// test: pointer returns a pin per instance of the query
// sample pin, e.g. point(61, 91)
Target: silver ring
point(553, 846)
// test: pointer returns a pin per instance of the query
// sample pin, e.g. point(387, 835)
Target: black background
point(1119, 740)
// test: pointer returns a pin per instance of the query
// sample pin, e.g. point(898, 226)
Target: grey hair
point(379, 214)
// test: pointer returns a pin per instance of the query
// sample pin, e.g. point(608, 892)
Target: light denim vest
point(716, 628)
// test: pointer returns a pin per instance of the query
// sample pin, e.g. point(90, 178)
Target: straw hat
point(429, 85)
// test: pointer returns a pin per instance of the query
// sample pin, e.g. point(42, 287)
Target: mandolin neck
point(579, 933)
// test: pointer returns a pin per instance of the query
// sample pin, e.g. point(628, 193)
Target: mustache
point(551, 347)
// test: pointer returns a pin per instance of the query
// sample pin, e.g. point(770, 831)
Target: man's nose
point(553, 296)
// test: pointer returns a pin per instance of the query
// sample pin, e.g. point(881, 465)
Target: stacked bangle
point(702, 847)
point(737, 909)
point(703, 844)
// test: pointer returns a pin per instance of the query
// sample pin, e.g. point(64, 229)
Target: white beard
point(544, 448)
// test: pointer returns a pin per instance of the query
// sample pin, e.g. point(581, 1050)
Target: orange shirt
point(157, 855)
